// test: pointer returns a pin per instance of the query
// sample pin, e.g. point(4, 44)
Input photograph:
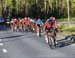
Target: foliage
point(66, 28)
point(36, 8)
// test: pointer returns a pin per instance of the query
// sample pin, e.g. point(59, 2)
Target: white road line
point(4, 50)
point(1, 44)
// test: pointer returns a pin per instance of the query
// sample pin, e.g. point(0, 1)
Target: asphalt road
point(28, 45)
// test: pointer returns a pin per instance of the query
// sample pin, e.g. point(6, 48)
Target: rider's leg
point(32, 28)
point(46, 37)
point(37, 31)
point(15, 28)
point(24, 27)
point(12, 27)
point(54, 38)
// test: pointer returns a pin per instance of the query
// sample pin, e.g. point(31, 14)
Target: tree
point(3, 5)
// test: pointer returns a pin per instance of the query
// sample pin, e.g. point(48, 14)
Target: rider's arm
point(45, 25)
point(55, 24)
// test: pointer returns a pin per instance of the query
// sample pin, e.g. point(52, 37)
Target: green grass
point(70, 29)
point(66, 29)
point(65, 19)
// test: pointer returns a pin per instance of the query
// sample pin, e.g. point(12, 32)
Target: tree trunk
point(3, 4)
point(14, 8)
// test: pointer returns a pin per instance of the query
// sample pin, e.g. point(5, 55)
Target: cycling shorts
point(38, 25)
point(49, 29)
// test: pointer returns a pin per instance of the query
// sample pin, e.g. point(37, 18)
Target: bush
point(70, 30)
point(66, 28)
point(60, 28)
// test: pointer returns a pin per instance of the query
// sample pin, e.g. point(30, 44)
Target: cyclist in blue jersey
point(39, 24)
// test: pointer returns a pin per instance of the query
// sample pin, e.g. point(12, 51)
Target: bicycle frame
point(51, 40)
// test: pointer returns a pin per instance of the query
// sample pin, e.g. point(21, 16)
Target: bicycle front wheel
point(51, 42)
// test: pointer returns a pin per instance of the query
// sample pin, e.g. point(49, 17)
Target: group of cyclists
point(36, 25)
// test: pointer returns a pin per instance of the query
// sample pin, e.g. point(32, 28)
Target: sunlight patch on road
point(4, 50)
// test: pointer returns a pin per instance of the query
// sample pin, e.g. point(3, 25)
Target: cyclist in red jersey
point(27, 23)
point(14, 24)
point(20, 24)
point(23, 24)
point(50, 26)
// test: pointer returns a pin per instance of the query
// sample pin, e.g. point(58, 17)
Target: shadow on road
point(11, 37)
point(8, 39)
point(68, 40)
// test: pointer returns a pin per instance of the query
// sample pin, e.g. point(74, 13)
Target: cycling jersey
point(54, 25)
point(27, 21)
point(23, 21)
point(20, 22)
point(48, 25)
point(39, 22)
